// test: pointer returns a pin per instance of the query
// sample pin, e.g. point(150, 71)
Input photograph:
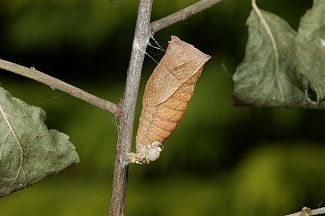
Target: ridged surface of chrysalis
point(166, 96)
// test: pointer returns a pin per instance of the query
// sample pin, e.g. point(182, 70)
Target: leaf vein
point(11, 130)
point(274, 46)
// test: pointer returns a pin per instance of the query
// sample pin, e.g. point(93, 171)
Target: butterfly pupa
point(166, 96)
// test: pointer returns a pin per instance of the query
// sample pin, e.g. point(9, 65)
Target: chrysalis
point(167, 93)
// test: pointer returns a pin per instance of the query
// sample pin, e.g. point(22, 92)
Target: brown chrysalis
point(167, 93)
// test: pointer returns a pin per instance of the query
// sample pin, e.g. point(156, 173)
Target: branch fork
point(125, 111)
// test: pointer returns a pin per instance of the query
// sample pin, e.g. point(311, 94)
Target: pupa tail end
point(146, 154)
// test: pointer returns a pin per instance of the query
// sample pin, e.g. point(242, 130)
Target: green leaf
point(264, 78)
point(29, 152)
point(309, 58)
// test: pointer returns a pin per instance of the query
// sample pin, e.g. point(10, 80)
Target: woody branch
point(55, 83)
point(309, 212)
point(126, 110)
point(182, 14)
point(143, 31)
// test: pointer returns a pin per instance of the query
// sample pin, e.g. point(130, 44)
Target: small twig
point(55, 83)
point(308, 212)
point(182, 14)
point(125, 129)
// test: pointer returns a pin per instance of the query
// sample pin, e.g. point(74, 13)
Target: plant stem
point(181, 15)
point(55, 83)
point(309, 212)
point(143, 32)
point(128, 104)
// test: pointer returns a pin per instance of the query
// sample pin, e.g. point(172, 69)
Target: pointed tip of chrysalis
point(178, 41)
point(175, 38)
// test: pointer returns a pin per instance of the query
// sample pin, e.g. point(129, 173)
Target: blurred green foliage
point(221, 159)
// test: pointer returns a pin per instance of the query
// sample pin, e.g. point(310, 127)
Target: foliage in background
point(52, 24)
point(282, 67)
point(29, 152)
point(220, 160)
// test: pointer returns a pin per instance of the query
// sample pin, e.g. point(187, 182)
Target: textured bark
point(127, 108)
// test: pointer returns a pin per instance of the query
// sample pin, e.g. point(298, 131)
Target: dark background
point(222, 160)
